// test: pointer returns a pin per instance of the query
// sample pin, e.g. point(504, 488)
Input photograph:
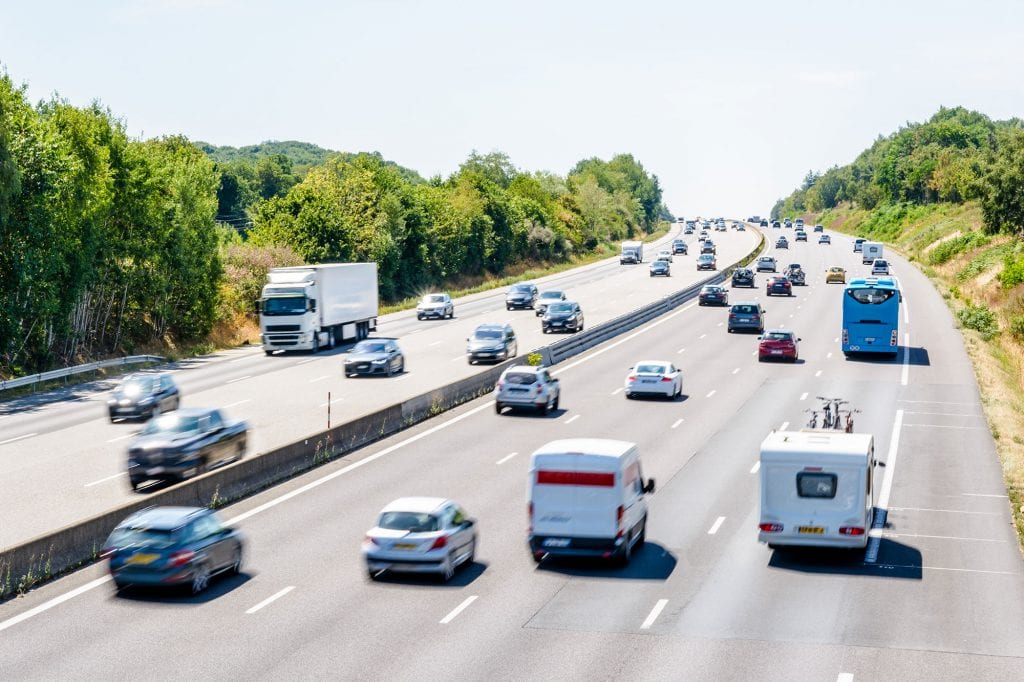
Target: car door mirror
point(649, 486)
point(799, 339)
point(312, 305)
point(469, 523)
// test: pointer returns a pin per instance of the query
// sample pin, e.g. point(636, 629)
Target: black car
point(142, 396)
point(819, 228)
point(545, 298)
point(679, 246)
point(491, 343)
point(708, 247)
point(712, 294)
point(562, 316)
point(781, 243)
point(177, 446)
point(779, 285)
point(764, 223)
point(375, 356)
point(746, 315)
point(661, 267)
point(796, 275)
point(776, 223)
point(522, 295)
point(169, 546)
point(743, 277)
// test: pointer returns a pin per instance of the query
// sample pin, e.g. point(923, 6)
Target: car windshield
point(744, 309)
point(433, 298)
point(369, 347)
point(174, 423)
point(778, 336)
point(880, 264)
point(650, 369)
point(712, 290)
point(767, 260)
point(487, 334)
point(521, 378)
point(520, 288)
point(552, 294)
point(155, 538)
point(413, 522)
point(794, 266)
point(560, 308)
point(284, 305)
point(707, 257)
point(138, 385)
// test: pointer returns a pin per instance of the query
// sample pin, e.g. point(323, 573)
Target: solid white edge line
point(326, 376)
point(231, 381)
point(506, 458)
point(104, 480)
point(757, 466)
point(871, 556)
point(905, 376)
point(56, 601)
point(269, 600)
point(125, 436)
point(845, 677)
point(736, 371)
point(236, 404)
point(818, 373)
point(716, 525)
point(617, 391)
point(457, 610)
point(653, 615)
point(11, 440)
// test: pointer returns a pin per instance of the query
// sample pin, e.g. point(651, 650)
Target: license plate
point(520, 390)
point(404, 545)
point(648, 381)
point(142, 559)
point(154, 470)
point(556, 542)
point(776, 352)
point(745, 319)
point(812, 530)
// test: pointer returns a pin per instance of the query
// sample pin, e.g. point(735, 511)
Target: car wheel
point(371, 574)
point(236, 562)
point(508, 307)
point(498, 408)
point(555, 404)
point(642, 540)
point(448, 571)
point(200, 578)
point(627, 552)
point(419, 317)
point(390, 371)
point(135, 484)
point(544, 330)
point(471, 361)
point(471, 559)
point(401, 367)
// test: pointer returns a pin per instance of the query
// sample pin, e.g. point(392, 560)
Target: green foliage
point(1002, 201)
point(944, 251)
point(980, 319)
point(984, 261)
point(1017, 327)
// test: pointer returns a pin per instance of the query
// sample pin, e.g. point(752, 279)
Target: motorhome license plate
point(556, 542)
point(813, 530)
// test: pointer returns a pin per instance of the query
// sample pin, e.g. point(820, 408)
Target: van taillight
point(770, 527)
point(619, 513)
point(529, 517)
point(851, 530)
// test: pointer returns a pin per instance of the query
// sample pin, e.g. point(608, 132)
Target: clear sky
point(729, 103)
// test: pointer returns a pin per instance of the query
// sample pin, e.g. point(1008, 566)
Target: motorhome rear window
point(816, 485)
point(591, 478)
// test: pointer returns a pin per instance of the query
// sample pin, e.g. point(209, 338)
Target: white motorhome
point(817, 489)
point(870, 251)
point(632, 252)
point(586, 498)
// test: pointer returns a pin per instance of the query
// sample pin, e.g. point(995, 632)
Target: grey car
point(562, 316)
point(420, 535)
point(375, 356)
point(547, 297)
point(142, 396)
point(661, 267)
point(523, 295)
point(747, 315)
point(435, 305)
point(491, 343)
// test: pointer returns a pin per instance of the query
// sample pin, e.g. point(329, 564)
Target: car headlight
point(381, 361)
point(146, 401)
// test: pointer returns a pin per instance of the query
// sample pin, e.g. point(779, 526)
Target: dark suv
point(562, 316)
point(747, 315)
point(679, 246)
point(143, 396)
point(523, 295)
point(743, 277)
point(491, 343)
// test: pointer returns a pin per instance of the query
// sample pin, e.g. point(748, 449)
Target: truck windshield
point(291, 305)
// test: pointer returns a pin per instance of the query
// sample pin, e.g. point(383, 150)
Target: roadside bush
point(980, 319)
point(951, 247)
point(1017, 327)
point(984, 261)
point(1013, 271)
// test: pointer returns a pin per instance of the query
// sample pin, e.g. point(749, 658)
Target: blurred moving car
point(526, 386)
point(420, 535)
point(766, 264)
point(435, 305)
point(169, 546)
point(776, 224)
point(661, 267)
point(713, 294)
point(746, 315)
point(173, 447)
point(764, 222)
point(819, 228)
point(880, 266)
point(743, 277)
point(835, 274)
point(546, 298)
point(679, 246)
point(562, 316)
point(522, 295)
point(491, 343)
point(825, 239)
point(779, 285)
point(654, 377)
point(778, 344)
point(707, 261)
point(143, 396)
point(375, 356)
point(702, 236)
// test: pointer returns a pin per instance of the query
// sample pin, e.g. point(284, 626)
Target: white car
point(654, 377)
point(420, 535)
point(664, 255)
point(435, 305)
point(525, 386)
point(880, 266)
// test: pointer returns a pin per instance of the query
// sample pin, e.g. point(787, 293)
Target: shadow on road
point(915, 356)
point(180, 595)
point(464, 576)
point(653, 562)
point(895, 560)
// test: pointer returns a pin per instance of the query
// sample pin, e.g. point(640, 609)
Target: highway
point(940, 595)
point(64, 461)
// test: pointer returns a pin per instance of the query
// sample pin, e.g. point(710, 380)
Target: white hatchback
point(880, 266)
point(654, 377)
point(529, 387)
point(420, 535)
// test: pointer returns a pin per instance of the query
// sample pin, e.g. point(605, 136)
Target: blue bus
point(871, 315)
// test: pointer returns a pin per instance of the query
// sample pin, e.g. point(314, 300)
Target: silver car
point(420, 535)
point(435, 305)
point(525, 386)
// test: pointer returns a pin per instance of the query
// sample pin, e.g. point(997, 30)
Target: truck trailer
point(309, 307)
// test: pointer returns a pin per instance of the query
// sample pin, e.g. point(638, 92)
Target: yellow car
point(835, 274)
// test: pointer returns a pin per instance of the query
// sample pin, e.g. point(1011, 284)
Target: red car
point(778, 344)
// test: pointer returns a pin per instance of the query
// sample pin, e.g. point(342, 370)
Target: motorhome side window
point(816, 485)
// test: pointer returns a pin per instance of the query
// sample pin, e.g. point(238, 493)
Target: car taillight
point(631, 377)
point(440, 542)
point(770, 527)
point(370, 541)
point(666, 378)
point(732, 316)
point(619, 513)
point(851, 530)
point(180, 558)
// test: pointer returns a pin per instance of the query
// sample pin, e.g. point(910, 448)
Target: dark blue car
point(170, 546)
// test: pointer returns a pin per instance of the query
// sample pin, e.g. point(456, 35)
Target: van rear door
point(572, 500)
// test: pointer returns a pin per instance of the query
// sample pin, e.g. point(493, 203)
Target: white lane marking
point(333, 401)
point(326, 376)
point(506, 458)
point(716, 525)
point(701, 336)
point(237, 403)
point(933, 402)
point(571, 419)
point(803, 396)
point(269, 600)
point(306, 362)
point(676, 423)
point(434, 343)
point(457, 610)
point(882, 508)
point(945, 414)
point(11, 440)
point(983, 495)
point(461, 357)
point(404, 376)
point(938, 537)
point(949, 511)
point(653, 615)
point(736, 371)
point(720, 324)
point(845, 677)
point(829, 355)
point(835, 340)
point(104, 480)
point(791, 315)
point(945, 426)
point(680, 351)
point(785, 425)
point(757, 466)
point(416, 331)
point(617, 391)
point(243, 378)
point(713, 391)
point(944, 568)
point(818, 373)
point(125, 436)
point(905, 376)
point(56, 601)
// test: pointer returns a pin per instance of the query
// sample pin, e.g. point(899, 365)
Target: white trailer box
point(870, 251)
point(817, 488)
point(586, 498)
point(632, 252)
point(308, 307)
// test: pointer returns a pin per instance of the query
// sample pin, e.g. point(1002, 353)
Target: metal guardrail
point(77, 369)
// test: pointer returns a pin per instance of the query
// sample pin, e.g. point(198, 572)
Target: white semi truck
point(309, 307)
point(632, 252)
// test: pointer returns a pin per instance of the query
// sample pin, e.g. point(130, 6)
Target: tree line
point(110, 244)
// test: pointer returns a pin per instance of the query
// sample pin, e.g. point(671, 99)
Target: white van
point(869, 251)
point(586, 498)
point(817, 489)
